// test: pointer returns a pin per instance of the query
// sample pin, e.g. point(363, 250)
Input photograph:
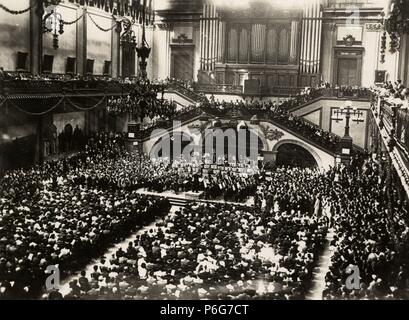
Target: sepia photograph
point(204, 154)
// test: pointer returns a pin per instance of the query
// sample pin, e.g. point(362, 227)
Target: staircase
point(178, 202)
point(174, 199)
point(182, 95)
point(193, 114)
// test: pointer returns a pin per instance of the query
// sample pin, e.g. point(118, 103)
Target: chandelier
point(143, 99)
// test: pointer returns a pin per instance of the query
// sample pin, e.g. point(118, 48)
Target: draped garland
point(59, 102)
point(72, 22)
point(99, 27)
point(17, 12)
point(132, 8)
point(397, 24)
point(21, 109)
point(98, 104)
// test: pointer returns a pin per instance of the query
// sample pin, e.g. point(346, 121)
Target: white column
point(319, 39)
point(294, 37)
point(201, 41)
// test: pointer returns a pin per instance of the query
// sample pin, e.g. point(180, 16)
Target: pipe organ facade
point(267, 48)
point(256, 48)
point(311, 41)
point(209, 37)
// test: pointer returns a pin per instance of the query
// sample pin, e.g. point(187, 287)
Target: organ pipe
point(201, 42)
point(311, 38)
point(210, 48)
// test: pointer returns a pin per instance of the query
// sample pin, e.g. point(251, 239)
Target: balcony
point(392, 118)
point(345, 4)
point(354, 93)
point(24, 88)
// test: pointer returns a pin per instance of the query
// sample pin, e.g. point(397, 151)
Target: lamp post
point(348, 110)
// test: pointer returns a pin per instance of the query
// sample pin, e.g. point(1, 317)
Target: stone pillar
point(36, 37)
point(115, 50)
point(294, 42)
point(82, 41)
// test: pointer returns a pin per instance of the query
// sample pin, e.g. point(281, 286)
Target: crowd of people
point(393, 92)
point(46, 219)
point(66, 212)
point(372, 233)
point(133, 172)
point(292, 206)
point(70, 210)
point(211, 252)
point(395, 96)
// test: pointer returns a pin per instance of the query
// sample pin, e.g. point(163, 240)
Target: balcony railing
point(396, 121)
point(342, 4)
point(220, 88)
point(355, 93)
point(302, 128)
point(59, 87)
point(185, 89)
point(392, 117)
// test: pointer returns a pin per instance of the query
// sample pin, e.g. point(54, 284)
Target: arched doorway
point(293, 155)
point(233, 143)
point(171, 146)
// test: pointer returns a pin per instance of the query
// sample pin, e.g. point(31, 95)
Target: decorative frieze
point(164, 26)
point(373, 27)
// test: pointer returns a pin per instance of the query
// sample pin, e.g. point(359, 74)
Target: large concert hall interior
point(204, 149)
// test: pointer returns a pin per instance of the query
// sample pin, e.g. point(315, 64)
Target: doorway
point(292, 155)
point(347, 72)
point(347, 66)
point(182, 63)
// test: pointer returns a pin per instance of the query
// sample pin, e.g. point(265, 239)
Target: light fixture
point(53, 22)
